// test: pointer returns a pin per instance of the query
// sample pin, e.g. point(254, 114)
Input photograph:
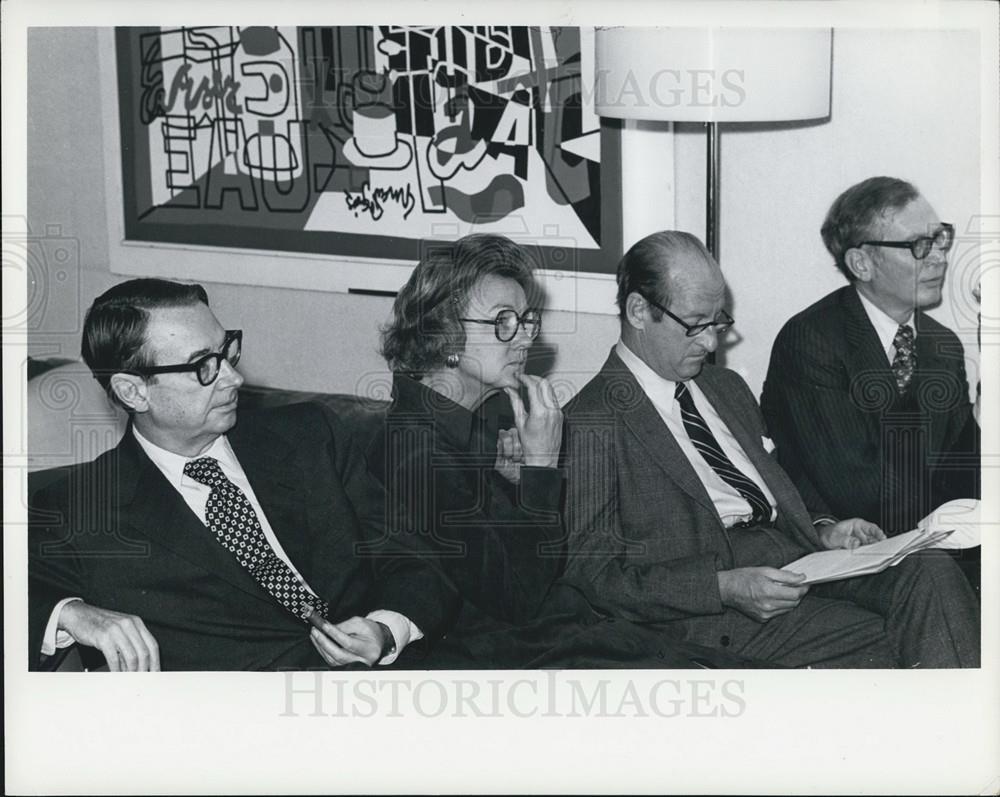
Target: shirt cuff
point(824, 520)
point(403, 631)
point(55, 638)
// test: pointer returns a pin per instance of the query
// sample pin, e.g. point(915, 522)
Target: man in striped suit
point(866, 395)
point(677, 514)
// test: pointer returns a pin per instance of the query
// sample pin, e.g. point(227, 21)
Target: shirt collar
point(172, 465)
point(659, 390)
point(885, 327)
point(452, 421)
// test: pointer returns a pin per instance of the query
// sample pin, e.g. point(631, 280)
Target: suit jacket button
point(724, 640)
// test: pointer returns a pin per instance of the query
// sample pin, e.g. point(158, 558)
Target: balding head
point(673, 271)
point(663, 264)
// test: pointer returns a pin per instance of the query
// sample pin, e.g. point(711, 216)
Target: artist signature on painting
point(373, 200)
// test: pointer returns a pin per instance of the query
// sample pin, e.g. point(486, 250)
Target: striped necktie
point(905, 360)
point(706, 444)
point(232, 519)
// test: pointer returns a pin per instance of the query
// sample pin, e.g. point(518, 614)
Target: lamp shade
point(713, 74)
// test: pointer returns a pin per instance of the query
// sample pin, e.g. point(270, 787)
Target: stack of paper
point(865, 559)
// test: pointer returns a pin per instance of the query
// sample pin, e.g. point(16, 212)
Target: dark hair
point(425, 326)
point(114, 331)
point(854, 215)
point(645, 268)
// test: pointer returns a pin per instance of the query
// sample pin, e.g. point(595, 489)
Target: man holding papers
point(677, 514)
point(866, 395)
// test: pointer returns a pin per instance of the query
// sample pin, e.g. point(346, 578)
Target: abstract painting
point(365, 141)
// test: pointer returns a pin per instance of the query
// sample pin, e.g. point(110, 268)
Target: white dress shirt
point(732, 507)
point(885, 327)
point(195, 495)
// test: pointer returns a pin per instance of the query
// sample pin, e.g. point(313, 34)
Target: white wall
point(904, 103)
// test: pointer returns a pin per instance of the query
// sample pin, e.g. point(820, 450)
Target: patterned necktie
point(234, 522)
point(706, 444)
point(906, 358)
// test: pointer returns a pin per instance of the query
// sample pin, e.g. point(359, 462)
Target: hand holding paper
point(954, 524)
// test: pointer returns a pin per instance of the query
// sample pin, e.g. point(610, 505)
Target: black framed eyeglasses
point(207, 367)
point(920, 247)
point(506, 323)
point(720, 324)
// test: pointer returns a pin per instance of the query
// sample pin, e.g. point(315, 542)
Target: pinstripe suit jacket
point(645, 541)
point(844, 435)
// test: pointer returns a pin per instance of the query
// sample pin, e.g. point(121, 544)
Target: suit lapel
point(271, 466)
point(935, 363)
point(157, 511)
point(640, 416)
point(867, 354)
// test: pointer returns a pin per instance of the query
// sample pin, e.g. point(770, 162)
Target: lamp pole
point(712, 189)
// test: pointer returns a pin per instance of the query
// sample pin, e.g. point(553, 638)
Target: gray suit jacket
point(645, 540)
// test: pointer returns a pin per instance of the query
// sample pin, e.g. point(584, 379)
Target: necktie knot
point(904, 337)
point(205, 470)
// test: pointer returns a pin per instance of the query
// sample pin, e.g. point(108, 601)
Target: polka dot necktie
point(905, 360)
point(235, 524)
point(706, 445)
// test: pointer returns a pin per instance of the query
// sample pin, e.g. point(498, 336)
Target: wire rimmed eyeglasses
point(720, 324)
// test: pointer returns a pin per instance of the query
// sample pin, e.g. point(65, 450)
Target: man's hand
point(761, 592)
point(124, 639)
point(356, 639)
point(540, 426)
point(849, 533)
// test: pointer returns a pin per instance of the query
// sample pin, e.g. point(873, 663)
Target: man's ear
point(636, 311)
point(859, 263)
point(131, 390)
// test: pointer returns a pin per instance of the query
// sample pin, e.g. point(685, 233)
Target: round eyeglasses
point(207, 367)
point(921, 247)
point(506, 323)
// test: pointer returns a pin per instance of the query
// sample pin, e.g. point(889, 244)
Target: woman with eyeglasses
point(486, 500)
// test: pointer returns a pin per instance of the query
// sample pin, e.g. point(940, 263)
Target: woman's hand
point(510, 455)
point(540, 425)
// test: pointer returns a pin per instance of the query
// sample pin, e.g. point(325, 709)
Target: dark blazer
point(115, 533)
point(645, 541)
point(841, 430)
point(501, 547)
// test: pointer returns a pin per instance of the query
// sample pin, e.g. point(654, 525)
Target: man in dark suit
point(202, 544)
point(866, 396)
point(678, 515)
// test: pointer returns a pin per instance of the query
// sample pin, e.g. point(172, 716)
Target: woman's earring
point(451, 360)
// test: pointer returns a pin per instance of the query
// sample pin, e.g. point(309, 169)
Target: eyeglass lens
point(942, 240)
point(208, 368)
point(508, 321)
